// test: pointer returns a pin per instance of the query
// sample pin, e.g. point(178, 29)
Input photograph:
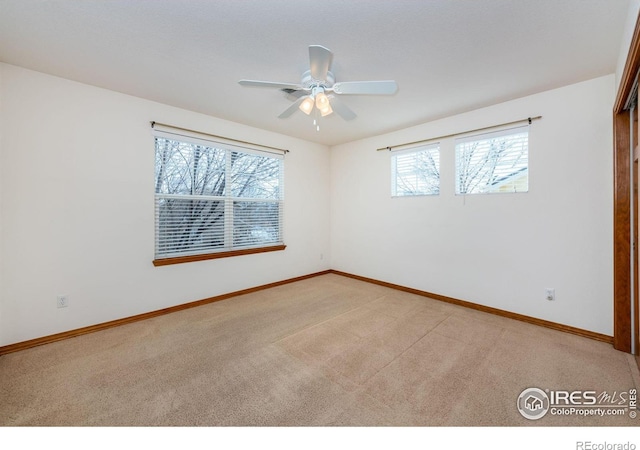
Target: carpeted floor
point(327, 351)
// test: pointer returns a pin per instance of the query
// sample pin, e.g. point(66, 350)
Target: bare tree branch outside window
point(498, 163)
point(416, 172)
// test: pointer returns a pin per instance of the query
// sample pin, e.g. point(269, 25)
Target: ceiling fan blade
point(320, 60)
point(271, 84)
point(366, 87)
point(341, 109)
point(291, 109)
point(293, 94)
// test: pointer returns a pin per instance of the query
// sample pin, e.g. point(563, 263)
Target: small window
point(214, 198)
point(416, 171)
point(495, 162)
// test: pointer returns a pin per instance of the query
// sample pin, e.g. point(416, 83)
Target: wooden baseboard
point(487, 309)
point(115, 323)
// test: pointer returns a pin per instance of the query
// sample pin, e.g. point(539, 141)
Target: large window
point(493, 162)
point(215, 199)
point(416, 171)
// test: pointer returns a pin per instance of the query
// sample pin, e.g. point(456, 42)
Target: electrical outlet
point(63, 301)
point(550, 294)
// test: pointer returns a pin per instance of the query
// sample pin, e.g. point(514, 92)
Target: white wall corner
point(498, 250)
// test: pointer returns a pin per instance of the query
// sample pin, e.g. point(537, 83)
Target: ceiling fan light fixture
point(307, 105)
point(322, 101)
point(326, 110)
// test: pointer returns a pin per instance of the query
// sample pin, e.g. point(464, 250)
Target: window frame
point(228, 199)
point(395, 154)
point(496, 133)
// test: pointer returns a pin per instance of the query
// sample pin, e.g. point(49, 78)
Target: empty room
point(303, 214)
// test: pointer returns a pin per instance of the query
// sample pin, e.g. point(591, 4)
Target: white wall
point(496, 250)
point(66, 147)
point(77, 215)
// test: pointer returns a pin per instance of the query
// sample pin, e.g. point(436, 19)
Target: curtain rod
point(153, 123)
point(528, 119)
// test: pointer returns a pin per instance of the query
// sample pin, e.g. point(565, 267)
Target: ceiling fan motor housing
point(309, 82)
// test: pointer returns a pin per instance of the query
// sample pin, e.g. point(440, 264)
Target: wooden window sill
point(228, 254)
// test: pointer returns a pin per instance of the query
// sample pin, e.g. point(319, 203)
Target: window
point(212, 199)
point(416, 171)
point(493, 162)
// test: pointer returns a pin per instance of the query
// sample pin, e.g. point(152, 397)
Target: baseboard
point(160, 312)
point(487, 309)
point(115, 323)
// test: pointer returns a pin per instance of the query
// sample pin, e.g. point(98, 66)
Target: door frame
point(623, 219)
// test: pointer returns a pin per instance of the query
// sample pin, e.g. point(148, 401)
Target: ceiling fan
point(318, 87)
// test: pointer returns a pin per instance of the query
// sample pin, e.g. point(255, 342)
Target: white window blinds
point(493, 162)
point(416, 171)
point(215, 197)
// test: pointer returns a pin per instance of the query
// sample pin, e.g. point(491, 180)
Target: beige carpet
point(321, 352)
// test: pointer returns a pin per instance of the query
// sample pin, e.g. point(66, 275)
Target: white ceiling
point(447, 56)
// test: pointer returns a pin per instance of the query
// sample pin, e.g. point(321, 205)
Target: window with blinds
point(416, 171)
point(212, 197)
point(494, 162)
